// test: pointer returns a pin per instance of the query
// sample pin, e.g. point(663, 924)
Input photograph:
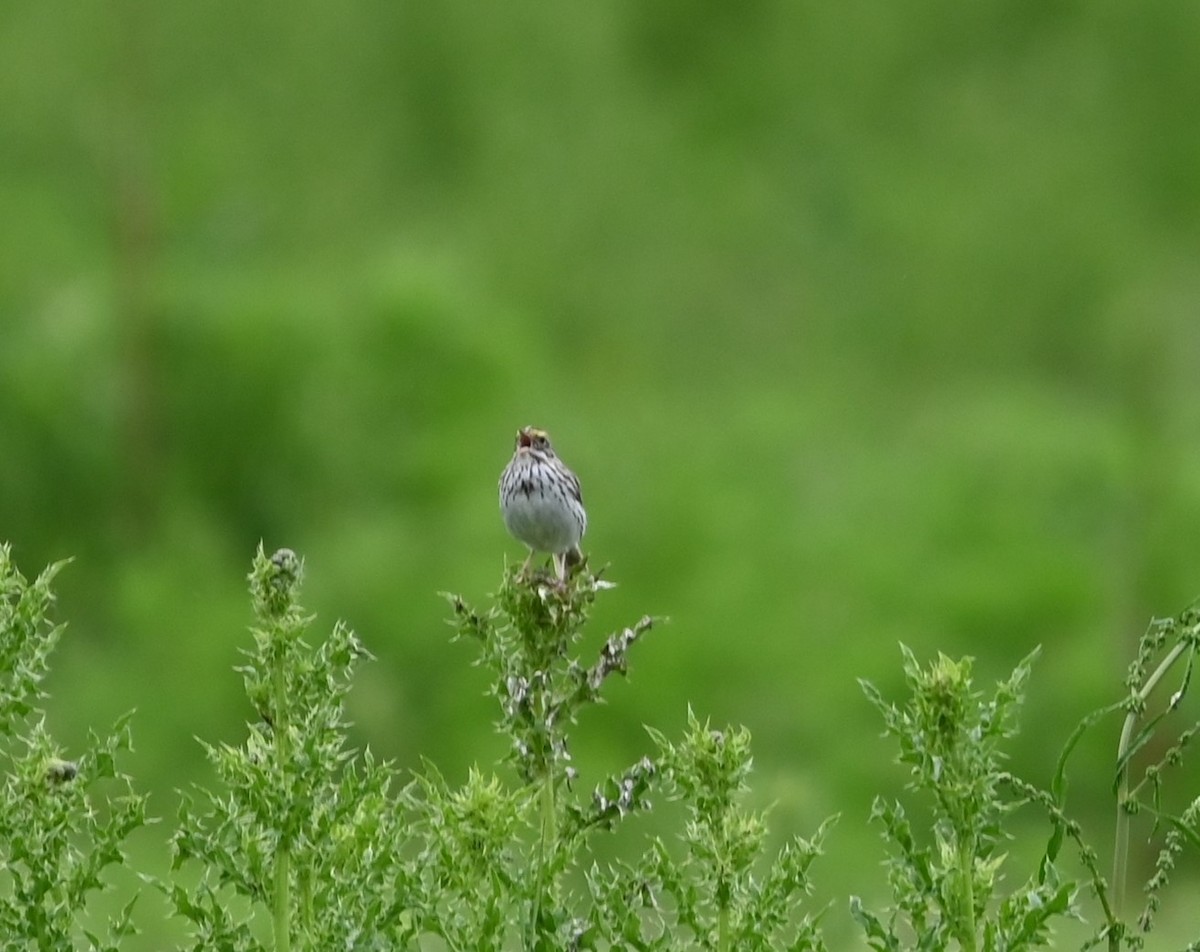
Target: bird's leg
point(560, 565)
point(574, 560)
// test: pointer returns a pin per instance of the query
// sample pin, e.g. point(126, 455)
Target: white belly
point(543, 523)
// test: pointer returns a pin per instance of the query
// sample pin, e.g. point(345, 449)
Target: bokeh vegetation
point(861, 323)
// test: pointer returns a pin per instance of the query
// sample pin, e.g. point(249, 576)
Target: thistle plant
point(63, 822)
point(304, 840)
point(305, 843)
point(304, 829)
point(713, 891)
point(527, 641)
point(721, 892)
point(947, 885)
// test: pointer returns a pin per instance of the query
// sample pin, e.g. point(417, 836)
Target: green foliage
point(306, 833)
point(62, 822)
point(526, 642)
point(1140, 787)
point(720, 896)
point(912, 291)
point(932, 273)
point(300, 826)
point(947, 886)
point(706, 898)
point(305, 843)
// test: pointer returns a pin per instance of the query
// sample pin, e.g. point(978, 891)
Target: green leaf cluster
point(300, 825)
point(304, 842)
point(321, 845)
point(947, 886)
point(63, 823)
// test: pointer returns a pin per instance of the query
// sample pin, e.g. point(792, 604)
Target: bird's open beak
point(524, 440)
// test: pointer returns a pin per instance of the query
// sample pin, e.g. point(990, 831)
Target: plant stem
point(723, 929)
point(283, 854)
point(966, 864)
point(549, 846)
point(283, 864)
point(549, 819)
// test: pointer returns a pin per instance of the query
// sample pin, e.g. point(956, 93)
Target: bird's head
point(531, 439)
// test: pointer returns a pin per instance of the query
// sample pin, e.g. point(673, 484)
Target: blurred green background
point(861, 323)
